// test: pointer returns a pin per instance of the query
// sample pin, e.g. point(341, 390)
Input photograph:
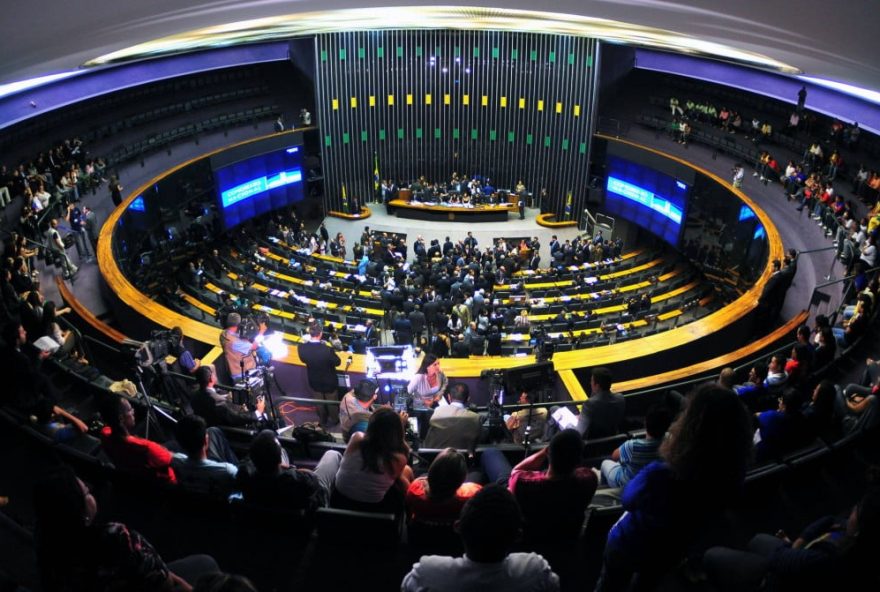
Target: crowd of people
point(440, 295)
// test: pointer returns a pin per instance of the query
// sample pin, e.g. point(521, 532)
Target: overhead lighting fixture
point(15, 87)
point(435, 17)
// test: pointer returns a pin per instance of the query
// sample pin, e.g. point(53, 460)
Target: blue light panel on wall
point(647, 198)
point(641, 194)
point(259, 185)
point(138, 204)
point(745, 212)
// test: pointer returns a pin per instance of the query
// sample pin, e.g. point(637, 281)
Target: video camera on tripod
point(162, 343)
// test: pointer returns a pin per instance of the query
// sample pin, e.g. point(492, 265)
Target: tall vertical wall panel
point(501, 105)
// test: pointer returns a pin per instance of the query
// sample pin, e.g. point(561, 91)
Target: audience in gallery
point(77, 553)
point(668, 502)
point(489, 525)
point(436, 499)
point(373, 474)
point(552, 487)
point(637, 453)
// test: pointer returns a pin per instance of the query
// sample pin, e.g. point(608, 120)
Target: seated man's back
point(453, 425)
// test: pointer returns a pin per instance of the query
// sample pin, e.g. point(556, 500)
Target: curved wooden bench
point(548, 220)
point(365, 213)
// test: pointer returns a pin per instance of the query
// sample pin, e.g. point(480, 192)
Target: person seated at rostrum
point(531, 422)
point(636, 453)
point(129, 453)
point(490, 525)
point(454, 425)
point(266, 480)
point(218, 409)
point(437, 498)
point(193, 469)
point(551, 486)
point(356, 407)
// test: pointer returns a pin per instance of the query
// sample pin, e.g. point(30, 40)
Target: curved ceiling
point(826, 40)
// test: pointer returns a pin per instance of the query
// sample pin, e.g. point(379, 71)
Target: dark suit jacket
point(453, 427)
point(218, 413)
point(321, 362)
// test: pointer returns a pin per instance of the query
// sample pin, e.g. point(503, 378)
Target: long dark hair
point(384, 439)
point(64, 542)
point(711, 441)
point(426, 361)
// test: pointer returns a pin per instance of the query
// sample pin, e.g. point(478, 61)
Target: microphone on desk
point(348, 362)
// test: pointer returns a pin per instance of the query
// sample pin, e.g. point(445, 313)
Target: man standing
point(90, 222)
point(321, 362)
point(78, 230)
point(738, 176)
point(56, 247)
point(238, 351)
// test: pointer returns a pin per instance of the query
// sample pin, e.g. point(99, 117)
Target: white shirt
point(519, 572)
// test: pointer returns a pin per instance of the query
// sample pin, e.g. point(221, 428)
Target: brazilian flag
point(377, 182)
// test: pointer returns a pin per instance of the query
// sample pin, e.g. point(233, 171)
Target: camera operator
point(239, 352)
point(187, 362)
point(217, 409)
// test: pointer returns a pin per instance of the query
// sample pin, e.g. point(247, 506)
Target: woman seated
point(373, 475)
point(437, 499)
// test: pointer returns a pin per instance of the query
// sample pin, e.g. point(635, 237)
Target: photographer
point(218, 409)
point(239, 352)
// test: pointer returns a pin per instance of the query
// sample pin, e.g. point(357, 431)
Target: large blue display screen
point(647, 197)
point(259, 184)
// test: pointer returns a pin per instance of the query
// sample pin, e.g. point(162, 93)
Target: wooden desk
point(441, 213)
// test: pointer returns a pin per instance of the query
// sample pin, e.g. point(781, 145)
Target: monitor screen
point(653, 200)
point(259, 184)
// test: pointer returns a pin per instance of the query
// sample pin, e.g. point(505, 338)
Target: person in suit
point(218, 409)
point(454, 425)
point(321, 362)
point(603, 412)
point(535, 261)
point(403, 330)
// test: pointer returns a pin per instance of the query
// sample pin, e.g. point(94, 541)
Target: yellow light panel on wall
point(558, 107)
point(577, 110)
point(428, 99)
point(484, 101)
point(465, 99)
point(522, 103)
point(390, 100)
point(447, 99)
point(409, 99)
point(354, 102)
point(503, 102)
point(335, 104)
point(540, 104)
point(372, 100)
